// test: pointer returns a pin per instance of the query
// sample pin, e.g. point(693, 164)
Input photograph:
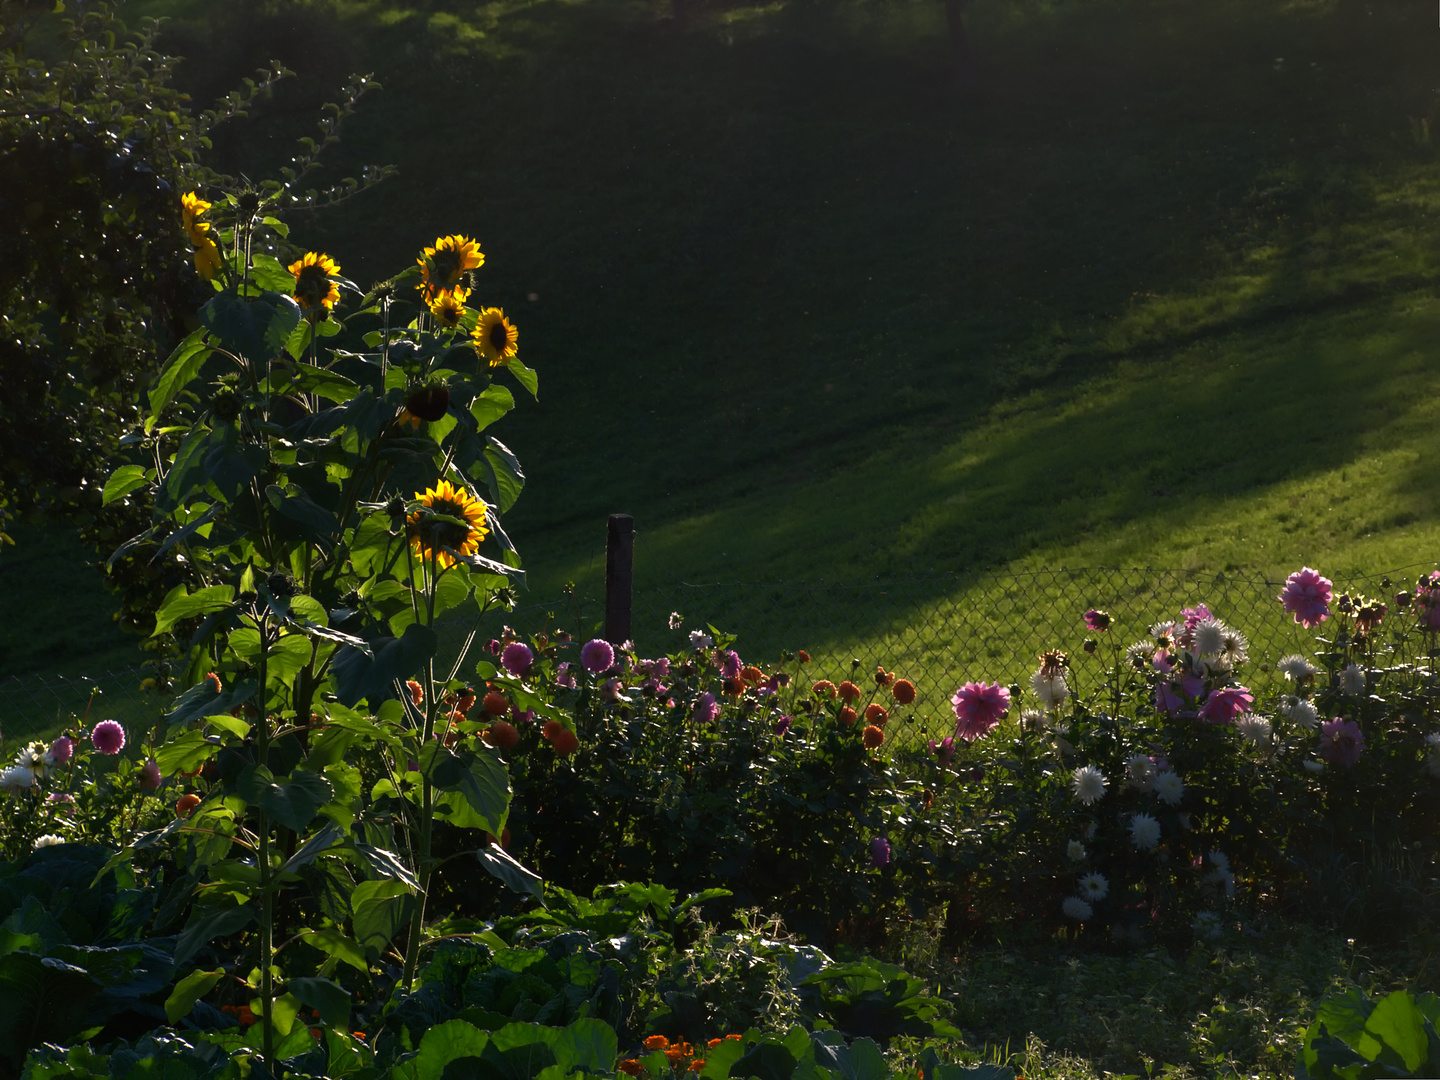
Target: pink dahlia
point(944, 750)
point(62, 749)
point(706, 708)
point(729, 663)
point(879, 852)
point(1341, 741)
point(1427, 600)
point(516, 658)
point(978, 708)
point(1307, 596)
point(597, 655)
point(150, 777)
point(1097, 620)
point(1226, 703)
point(108, 737)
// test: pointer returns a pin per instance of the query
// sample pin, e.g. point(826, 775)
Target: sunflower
point(313, 288)
point(448, 308)
point(431, 536)
point(443, 266)
point(191, 208)
point(207, 258)
point(495, 337)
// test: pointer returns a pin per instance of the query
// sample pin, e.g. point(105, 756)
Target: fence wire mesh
point(938, 631)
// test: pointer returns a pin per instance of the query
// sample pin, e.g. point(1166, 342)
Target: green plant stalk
point(427, 797)
point(267, 906)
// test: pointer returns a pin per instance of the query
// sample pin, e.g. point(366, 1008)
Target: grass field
point(1160, 294)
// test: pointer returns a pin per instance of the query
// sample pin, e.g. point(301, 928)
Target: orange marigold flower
point(674, 1054)
point(876, 714)
point(551, 729)
point(656, 1042)
point(714, 1042)
point(466, 701)
point(502, 735)
point(496, 703)
point(803, 656)
point(823, 688)
point(697, 1065)
point(631, 1067)
point(733, 687)
point(187, 804)
point(873, 737)
point(883, 677)
point(848, 716)
point(565, 742)
point(417, 692)
point(737, 1038)
point(849, 691)
point(752, 675)
point(903, 691)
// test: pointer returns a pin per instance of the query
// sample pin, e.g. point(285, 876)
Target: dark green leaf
point(325, 997)
point(359, 676)
point(292, 803)
point(207, 924)
point(514, 874)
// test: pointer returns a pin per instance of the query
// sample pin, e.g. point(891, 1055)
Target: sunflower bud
point(225, 404)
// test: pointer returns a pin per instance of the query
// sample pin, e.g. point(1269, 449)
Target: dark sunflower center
point(311, 285)
point(499, 337)
point(443, 533)
point(447, 265)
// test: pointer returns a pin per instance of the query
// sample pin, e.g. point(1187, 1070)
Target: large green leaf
point(491, 405)
point(42, 999)
point(293, 803)
point(445, 1043)
point(381, 908)
point(339, 947)
point(503, 474)
point(206, 924)
point(183, 364)
point(479, 776)
point(359, 676)
point(255, 329)
point(513, 873)
point(122, 482)
point(185, 605)
point(328, 999)
point(1397, 1026)
point(190, 990)
point(586, 1045)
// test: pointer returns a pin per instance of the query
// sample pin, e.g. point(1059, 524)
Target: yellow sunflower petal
point(431, 538)
point(496, 338)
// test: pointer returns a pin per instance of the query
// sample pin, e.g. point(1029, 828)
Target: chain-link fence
point(938, 631)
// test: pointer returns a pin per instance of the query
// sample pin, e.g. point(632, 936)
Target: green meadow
point(884, 369)
point(1158, 294)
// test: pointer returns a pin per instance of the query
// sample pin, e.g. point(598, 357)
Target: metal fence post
point(619, 577)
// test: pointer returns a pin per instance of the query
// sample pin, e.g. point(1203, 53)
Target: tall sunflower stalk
point(307, 575)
